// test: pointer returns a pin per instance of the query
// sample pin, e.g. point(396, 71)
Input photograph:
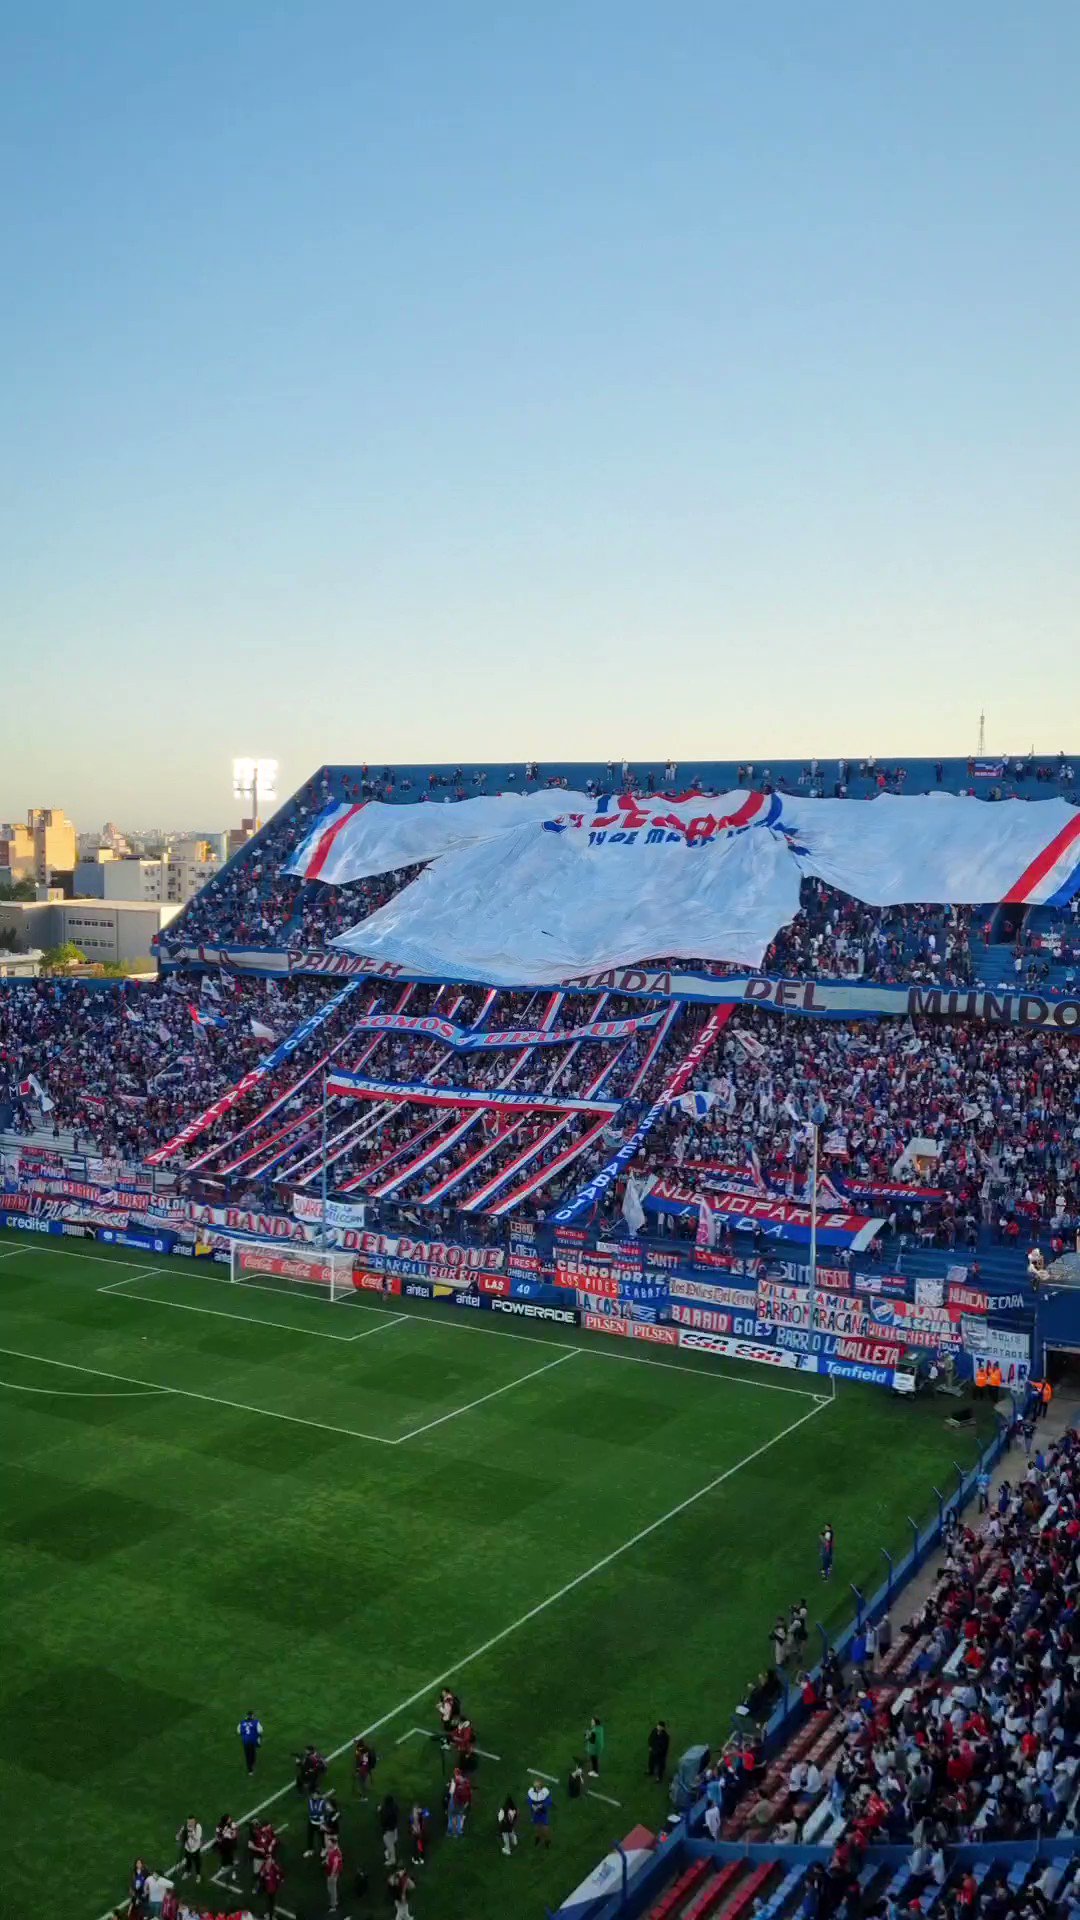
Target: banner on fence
point(339, 1213)
point(353, 1086)
point(767, 1214)
point(464, 1040)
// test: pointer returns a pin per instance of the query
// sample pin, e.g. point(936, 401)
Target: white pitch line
point(496, 1639)
point(539, 1774)
point(68, 1393)
point(188, 1393)
point(593, 1794)
point(426, 1734)
point(484, 1397)
point(460, 1325)
point(251, 1319)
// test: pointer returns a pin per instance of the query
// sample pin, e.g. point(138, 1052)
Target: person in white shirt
point(713, 1820)
point(189, 1840)
point(157, 1886)
point(813, 1777)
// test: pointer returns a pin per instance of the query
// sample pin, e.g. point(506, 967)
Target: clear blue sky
point(475, 381)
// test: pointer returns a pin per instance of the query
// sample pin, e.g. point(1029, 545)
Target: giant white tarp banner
point(899, 849)
point(523, 898)
point(354, 842)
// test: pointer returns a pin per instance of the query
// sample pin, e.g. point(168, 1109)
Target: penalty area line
point(250, 1319)
point(188, 1393)
point(447, 1324)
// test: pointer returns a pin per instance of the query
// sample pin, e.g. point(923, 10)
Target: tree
point(62, 959)
point(17, 890)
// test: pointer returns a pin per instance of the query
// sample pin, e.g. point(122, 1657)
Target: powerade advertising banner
point(767, 1214)
point(252, 1078)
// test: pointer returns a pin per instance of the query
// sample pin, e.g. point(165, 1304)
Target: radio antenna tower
point(982, 734)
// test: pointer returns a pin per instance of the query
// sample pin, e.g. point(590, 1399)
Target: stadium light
point(254, 780)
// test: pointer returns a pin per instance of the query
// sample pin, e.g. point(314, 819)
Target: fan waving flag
point(202, 1019)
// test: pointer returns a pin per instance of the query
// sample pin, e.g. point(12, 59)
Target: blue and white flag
point(696, 1104)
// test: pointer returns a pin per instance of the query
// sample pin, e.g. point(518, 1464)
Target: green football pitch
point(228, 1497)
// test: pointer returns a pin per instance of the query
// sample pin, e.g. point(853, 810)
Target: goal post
point(329, 1268)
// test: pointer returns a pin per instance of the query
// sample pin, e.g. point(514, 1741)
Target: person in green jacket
point(594, 1745)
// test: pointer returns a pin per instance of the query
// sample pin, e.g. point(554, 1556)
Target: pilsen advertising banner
point(815, 999)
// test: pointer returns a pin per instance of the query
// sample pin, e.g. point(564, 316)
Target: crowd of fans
point(983, 1743)
point(255, 903)
point(122, 1069)
point(834, 937)
point(998, 1107)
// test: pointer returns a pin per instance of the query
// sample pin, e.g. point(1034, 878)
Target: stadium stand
point(917, 1778)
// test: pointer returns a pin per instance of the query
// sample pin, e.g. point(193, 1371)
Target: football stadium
point(539, 1358)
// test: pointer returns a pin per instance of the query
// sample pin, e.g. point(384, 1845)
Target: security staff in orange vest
point(994, 1371)
point(980, 1380)
point(1046, 1394)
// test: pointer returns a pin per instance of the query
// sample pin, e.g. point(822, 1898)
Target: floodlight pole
point(817, 1116)
point(325, 1170)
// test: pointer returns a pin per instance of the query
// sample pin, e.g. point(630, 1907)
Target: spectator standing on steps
point(250, 1731)
point(659, 1742)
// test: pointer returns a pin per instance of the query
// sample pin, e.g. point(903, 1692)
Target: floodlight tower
point(255, 780)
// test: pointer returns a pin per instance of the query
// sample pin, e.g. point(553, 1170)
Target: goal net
point(268, 1260)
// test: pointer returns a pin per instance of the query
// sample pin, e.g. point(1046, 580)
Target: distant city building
point(44, 846)
point(173, 877)
point(117, 930)
point(238, 837)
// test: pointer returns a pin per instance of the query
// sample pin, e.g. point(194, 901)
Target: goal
point(253, 1260)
